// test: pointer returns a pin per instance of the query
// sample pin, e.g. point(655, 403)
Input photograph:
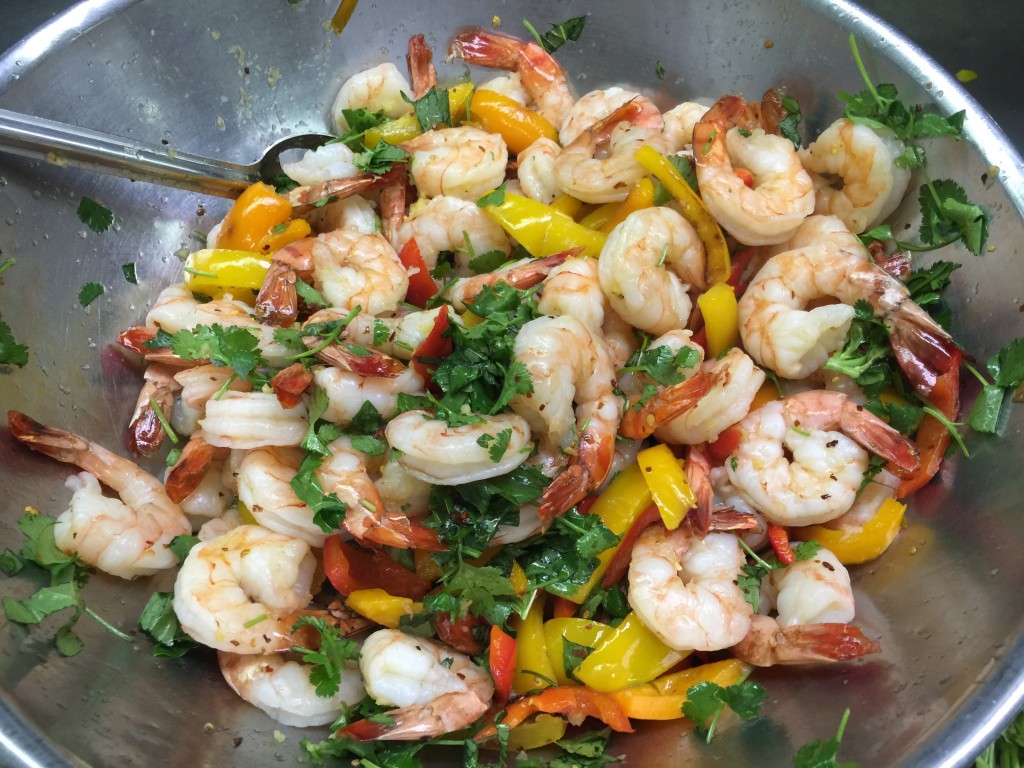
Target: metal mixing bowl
point(226, 78)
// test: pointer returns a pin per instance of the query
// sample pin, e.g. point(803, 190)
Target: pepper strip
point(718, 263)
point(565, 700)
point(518, 126)
point(779, 538)
point(502, 660)
point(533, 668)
point(382, 608)
point(853, 547)
point(721, 315)
point(640, 196)
point(663, 698)
point(543, 230)
point(668, 484)
point(629, 655)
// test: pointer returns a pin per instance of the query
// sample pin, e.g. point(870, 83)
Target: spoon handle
point(63, 144)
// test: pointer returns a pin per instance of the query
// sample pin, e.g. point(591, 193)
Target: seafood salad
point(511, 410)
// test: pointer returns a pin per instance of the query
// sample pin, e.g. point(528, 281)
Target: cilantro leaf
point(95, 216)
point(367, 419)
point(41, 604)
point(823, 754)
point(788, 125)
point(232, 347)
point(947, 214)
point(662, 364)
point(494, 197)
point(359, 121)
point(160, 622)
point(496, 444)
point(369, 754)
point(283, 184)
point(1007, 365)
point(559, 34)
point(11, 352)
point(659, 70)
point(309, 294)
point(182, 544)
point(707, 700)
point(574, 654)
point(432, 109)
point(328, 509)
point(335, 654)
point(380, 159)
point(984, 415)
point(866, 351)
point(89, 293)
point(488, 261)
point(128, 270)
point(480, 591)
point(686, 169)
point(927, 284)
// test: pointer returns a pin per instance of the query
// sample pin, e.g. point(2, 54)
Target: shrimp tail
point(134, 340)
point(277, 302)
point(878, 437)
point(587, 471)
point(668, 404)
point(55, 443)
point(365, 362)
point(395, 530)
point(341, 188)
point(698, 474)
point(448, 712)
point(927, 356)
point(485, 48)
point(709, 132)
point(145, 432)
point(190, 469)
point(802, 644)
point(289, 384)
point(392, 209)
point(420, 60)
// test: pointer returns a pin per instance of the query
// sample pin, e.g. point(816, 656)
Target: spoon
point(63, 144)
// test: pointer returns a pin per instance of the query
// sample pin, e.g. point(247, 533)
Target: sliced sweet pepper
point(543, 230)
point(568, 205)
point(667, 482)
point(516, 124)
point(502, 661)
point(536, 732)
point(253, 217)
point(533, 668)
point(852, 547)
point(579, 631)
point(663, 698)
point(220, 269)
point(623, 501)
point(382, 608)
point(600, 216)
point(421, 284)
point(721, 315)
point(427, 356)
point(640, 196)
point(566, 700)
point(350, 569)
point(718, 263)
point(628, 655)
point(407, 126)
point(620, 562)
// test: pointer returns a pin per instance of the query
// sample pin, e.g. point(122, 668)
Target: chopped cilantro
point(686, 169)
point(662, 364)
point(95, 216)
point(659, 70)
point(947, 215)
point(283, 184)
point(487, 261)
point(866, 348)
point(181, 545)
point(335, 653)
point(160, 622)
point(706, 701)
point(89, 293)
point(752, 574)
point(432, 109)
point(1007, 365)
point(11, 352)
point(823, 754)
point(789, 124)
point(496, 444)
point(494, 197)
point(359, 121)
point(128, 270)
point(559, 34)
point(309, 294)
point(231, 346)
point(380, 159)
point(573, 654)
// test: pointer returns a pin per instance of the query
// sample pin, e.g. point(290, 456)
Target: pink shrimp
point(145, 431)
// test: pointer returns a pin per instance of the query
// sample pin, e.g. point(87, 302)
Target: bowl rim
point(953, 742)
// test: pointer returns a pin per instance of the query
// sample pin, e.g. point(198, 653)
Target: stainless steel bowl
point(226, 78)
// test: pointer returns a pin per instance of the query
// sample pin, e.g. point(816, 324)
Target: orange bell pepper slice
point(663, 698)
point(253, 217)
point(640, 196)
point(516, 124)
point(565, 700)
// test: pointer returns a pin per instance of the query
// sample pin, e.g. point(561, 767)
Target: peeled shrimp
point(282, 689)
point(331, 161)
point(357, 270)
point(400, 489)
point(347, 392)
point(647, 267)
point(377, 88)
point(595, 106)
point(405, 331)
point(437, 453)
point(537, 170)
point(782, 195)
point(855, 173)
point(352, 212)
point(449, 223)
point(126, 537)
point(525, 273)
point(437, 690)
point(680, 122)
point(253, 420)
point(684, 588)
point(198, 386)
point(821, 480)
point(510, 85)
point(264, 487)
point(242, 591)
point(462, 162)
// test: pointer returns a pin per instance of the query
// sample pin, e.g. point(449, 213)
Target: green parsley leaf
point(662, 364)
point(432, 109)
point(182, 544)
point(789, 124)
point(89, 293)
point(494, 197)
point(128, 270)
point(559, 34)
point(496, 444)
point(865, 349)
point(328, 509)
point(1007, 365)
point(686, 168)
point(95, 216)
point(309, 294)
point(42, 603)
point(947, 214)
point(232, 347)
point(335, 653)
point(359, 121)
point(381, 332)
point(10, 563)
point(380, 159)
point(11, 352)
point(659, 70)
point(488, 261)
point(160, 622)
point(823, 754)
point(706, 701)
point(984, 415)
point(284, 184)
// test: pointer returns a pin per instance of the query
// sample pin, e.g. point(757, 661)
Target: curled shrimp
point(443, 455)
point(680, 122)
point(377, 88)
point(127, 537)
point(595, 106)
point(364, 362)
point(449, 223)
point(198, 386)
point(462, 162)
point(437, 690)
point(264, 487)
point(348, 392)
point(782, 195)
point(855, 173)
point(242, 592)
point(684, 588)
point(405, 331)
point(767, 644)
point(525, 273)
point(282, 689)
point(599, 165)
point(823, 432)
point(253, 420)
point(145, 430)
point(316, 166)
point(541, 76)
point(568, 364)
point(648, 266)
point(357, 270)
point(344, 473)
point(536, 170)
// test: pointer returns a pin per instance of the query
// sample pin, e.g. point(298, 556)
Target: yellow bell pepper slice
point(253, 216)
point(533, 668)
point(543, 230)
point(579, 631)
point(516, 124)
point(663, 698)
point(245, 515)
point(631, 654)
point(407, 126)
point(719, 263)
point(518, 579)
point(622, 502)
point(640, 196)
point(768, 392)
point(853, 547)
point(537, 732)
point(377, 605)
point(568, 205)
point(600, 216)
point(667, 482)
point(721, 318)
point(213, 269)
point(283, 234)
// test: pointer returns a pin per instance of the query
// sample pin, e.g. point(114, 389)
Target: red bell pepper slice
point(421, 284)
point(349, 569)
point(433, 348)
point(779, 538)
point(726, 443)
point(458, 633)
point(619, 563)
point(564, 700)
point(502, 659)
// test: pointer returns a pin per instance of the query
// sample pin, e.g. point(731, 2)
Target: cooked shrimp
point(680, 122)
point(684, 588)
point(647, 267)
point(242, 591)
point(437, 690)
point(642, 417)
point(331, 161)
point(401, 490)
point(883, 486)
point(449, 223)
point(277, 302)
point(462, 162)
point(537, 170)
point(198, 386)
point(347, 392)
point(126, 537)
point(437, 453)
point(216, 527)
point(820, 482)
point(253, 420)
point(357, 270)
point(377, 88)
point(737, 381)
point(596, 106)
point(282, 689)
point(782, 195)
point(193, 465)
point(264, 487)
point(405, 331)
point(310, 196)
point(525, 273)
point(821, 230)
point(510, 85)
point(599, 165)
point(344, 474)
point(145, 430)
point(210, 496)
point(855, 173)
point(569, 364)
point(728, 497)
point(768, 644)
point(540, 74)
point(354, 212)
point(365, 362)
